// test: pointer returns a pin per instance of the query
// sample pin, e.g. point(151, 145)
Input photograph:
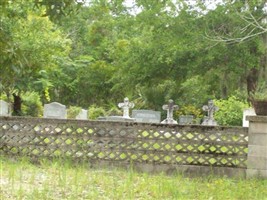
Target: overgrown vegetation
point(230, 111)
point(94, 55)
point(73, 111)
point(61, 179)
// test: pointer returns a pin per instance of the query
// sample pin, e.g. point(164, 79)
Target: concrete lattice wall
point(197, 150)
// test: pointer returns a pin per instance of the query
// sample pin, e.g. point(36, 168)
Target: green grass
point(20, 179)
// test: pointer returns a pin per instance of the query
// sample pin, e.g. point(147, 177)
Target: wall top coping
point(113, 123)
point(257, 118)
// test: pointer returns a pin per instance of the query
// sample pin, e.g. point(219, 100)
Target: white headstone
point(55, 110)
point(4, 108)
point(82, 114)
point(247, 112)
point(148, 116)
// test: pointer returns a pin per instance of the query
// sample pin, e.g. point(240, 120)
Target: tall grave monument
point(210, 108)
point(125, 105)
point(170, 107)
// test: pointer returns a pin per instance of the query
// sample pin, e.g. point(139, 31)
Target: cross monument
point(170, 107)
point(126, 105)
point(210, 108)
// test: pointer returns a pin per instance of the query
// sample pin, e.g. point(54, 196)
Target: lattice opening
point(212, 148)
point(167, 135)
point(156, 146)
point(178, 147)
point(212, 160)
point(190, 148)
point(156, 134)
point(90, 131)
point(123, 133)
point(167, 158)
point(201, 148)
point(167, 147)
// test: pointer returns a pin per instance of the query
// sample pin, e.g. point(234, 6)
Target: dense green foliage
point(94, 112)
point(96, 53)
point(32, 105)
point(73, 111)
point(230, 111)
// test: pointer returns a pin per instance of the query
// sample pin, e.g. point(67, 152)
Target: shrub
point(114, 110)
point(189, 110)
point(230, 111)
point(73, 111)
point(94, 112)
point(31, 104)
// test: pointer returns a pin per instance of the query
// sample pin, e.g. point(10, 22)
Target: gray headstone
point(186, 119)
point(55, 110)
point(247, 112)
point(82, 114)
point(4, 108)
point(148, 116)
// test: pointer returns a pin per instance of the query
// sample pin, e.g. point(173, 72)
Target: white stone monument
point(210, 108)
point(170, 107)
point(247, 112)
point(4, 111)
point(55, 110)
point(126, 105)
point(82, 115)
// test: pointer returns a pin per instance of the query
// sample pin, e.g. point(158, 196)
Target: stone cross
point(210, 108)
point(126, 105)
point(170, 107)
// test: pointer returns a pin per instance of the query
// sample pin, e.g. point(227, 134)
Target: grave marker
point(82, 115)
point(210, 108)
point(55, 110)
point(170, 107)
point(147, 116)
point(186, 119)
point(126, 105)
point(4, 108)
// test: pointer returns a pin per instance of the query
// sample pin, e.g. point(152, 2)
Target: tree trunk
point(252, 80)
point(17, 105)
point(264, 58)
